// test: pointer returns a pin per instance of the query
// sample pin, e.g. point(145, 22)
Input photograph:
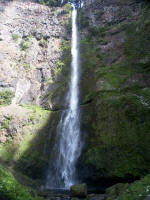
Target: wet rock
point(137, 79)
point(100, 13)
point(79, 190)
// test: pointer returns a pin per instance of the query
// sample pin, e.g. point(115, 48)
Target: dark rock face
point(103, 12)
point(115, 75)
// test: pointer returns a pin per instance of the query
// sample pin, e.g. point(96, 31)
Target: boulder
point(79, 190)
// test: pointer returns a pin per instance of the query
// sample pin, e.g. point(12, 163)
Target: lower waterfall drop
point(67, 147)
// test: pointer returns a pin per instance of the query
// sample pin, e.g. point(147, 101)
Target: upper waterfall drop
point(67, 147)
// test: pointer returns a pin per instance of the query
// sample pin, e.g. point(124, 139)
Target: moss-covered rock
point(114, 191)
point(79, 190)
point(138, 190)
point(116, 123)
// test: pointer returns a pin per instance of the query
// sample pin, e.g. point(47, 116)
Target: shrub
point(24, 45)
point(5, 123)
point(15, 37)
point(26, 66)
point(43, 42)
point(6, 97)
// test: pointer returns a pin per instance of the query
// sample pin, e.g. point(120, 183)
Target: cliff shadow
point(34, 160)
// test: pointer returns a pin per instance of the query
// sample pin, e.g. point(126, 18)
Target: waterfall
point(66, 151)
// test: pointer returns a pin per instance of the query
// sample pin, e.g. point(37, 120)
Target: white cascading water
point(66, 151)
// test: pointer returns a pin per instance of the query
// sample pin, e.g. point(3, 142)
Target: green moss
point(97, 31)
point(137, 190)
point(82, 19)
point(137, 48)
point(6, 97)
point(115, 191)
point(37, 110)
point(120, 145)
point(115, 74)
point(79, 190)
point(118, 131)
point(23, 146)
point(7, 150)
point(11, 189)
